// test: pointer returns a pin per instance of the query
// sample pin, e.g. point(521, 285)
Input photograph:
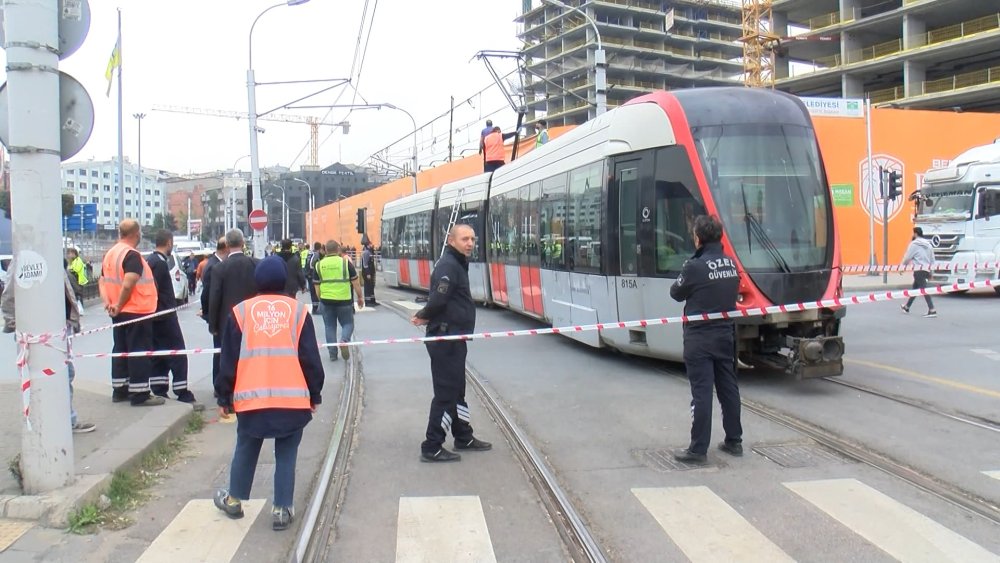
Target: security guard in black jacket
point(709, 283)
point(450, 310)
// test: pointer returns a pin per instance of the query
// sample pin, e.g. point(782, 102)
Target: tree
point(182, 221)
point(170, 222)
point(68, 201)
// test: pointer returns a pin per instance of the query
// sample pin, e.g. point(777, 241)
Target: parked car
point(178, 278)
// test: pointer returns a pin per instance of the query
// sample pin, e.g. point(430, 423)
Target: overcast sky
point(194, 53)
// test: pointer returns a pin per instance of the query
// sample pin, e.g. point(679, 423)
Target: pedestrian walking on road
point(920, 253)
point(272, 378)
point(232, 282)
point(368, 273)
point(709, 283)
point(167, 333)
point(311, 279)
point(7, 301)
point(129, 293)
point(337, 277)
point(450, 310)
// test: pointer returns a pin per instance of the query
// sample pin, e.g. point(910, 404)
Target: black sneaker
point(117, 397)
point(441, 455)
point(732, 448)
point(186, 397)
point(146, 401)
point(281, 518)
point(687, 456)
point(226, 503)
point(931, 315)
point(474, 445)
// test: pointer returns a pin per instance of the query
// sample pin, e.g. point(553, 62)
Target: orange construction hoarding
point(908, 141)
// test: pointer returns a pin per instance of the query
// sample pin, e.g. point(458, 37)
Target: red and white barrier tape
point(23, 340)
point(856, 299)
point(132, 321)
point(948, 266)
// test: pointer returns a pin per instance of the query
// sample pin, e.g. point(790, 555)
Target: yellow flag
point(113, 63)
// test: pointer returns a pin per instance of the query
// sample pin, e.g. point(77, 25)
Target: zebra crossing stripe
point(994, 474)
point(442, 529)
point(714, 531)
point(409, 305)
point(202, 533)
point(896, 529)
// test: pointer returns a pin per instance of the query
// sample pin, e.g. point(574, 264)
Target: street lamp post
point(308, 226)
point(259, 242)
point(414, 121)
point(600, 64)
point(284, 212)
point(138, 117)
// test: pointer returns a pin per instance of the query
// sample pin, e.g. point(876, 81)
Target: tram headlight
point(740, 298)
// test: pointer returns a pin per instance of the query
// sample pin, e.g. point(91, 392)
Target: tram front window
point(771, 195)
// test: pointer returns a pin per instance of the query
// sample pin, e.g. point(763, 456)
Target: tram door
point(635, 230)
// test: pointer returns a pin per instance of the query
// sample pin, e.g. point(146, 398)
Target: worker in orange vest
point(271, 376)
point(129, 293)
point(493, 147)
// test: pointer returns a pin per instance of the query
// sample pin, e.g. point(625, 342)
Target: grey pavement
point(123, 434)
point(864, 282)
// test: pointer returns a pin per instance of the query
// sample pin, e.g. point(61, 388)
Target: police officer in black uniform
point(450, 310)
point(709, 283)
point(167, 333)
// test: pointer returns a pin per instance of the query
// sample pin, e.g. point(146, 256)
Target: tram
point(595, 225)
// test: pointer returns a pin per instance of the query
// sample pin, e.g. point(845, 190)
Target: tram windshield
point(771, 195)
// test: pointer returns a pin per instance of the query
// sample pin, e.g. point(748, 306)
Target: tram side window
point(404, 242)
point(499, 229)
point(552, 218)
point(441, 229)
point(529, 224)
point(677, 204)
point(469, 215)
point(388, 243)
point(515, 239)
point(583, 218)
point(422, 234)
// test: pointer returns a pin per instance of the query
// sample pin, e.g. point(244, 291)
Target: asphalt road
point(604, 424)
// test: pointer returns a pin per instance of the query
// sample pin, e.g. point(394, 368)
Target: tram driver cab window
point(675, 214)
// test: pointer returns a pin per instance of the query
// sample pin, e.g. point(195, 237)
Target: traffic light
point(895, 184)
point(361, 220)
point(249, 206)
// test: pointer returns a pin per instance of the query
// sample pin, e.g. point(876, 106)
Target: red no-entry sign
point(258, 219)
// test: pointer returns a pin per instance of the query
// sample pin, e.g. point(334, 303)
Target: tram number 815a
point(629, 284)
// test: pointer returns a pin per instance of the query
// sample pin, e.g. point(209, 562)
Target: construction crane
point(759, 44)
point(314, 123)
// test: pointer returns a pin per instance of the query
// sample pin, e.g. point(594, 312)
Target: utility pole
point(451, 129)
point(140, 216)
point(32, 36)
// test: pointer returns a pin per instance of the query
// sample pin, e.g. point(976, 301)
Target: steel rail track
point(947, 492)
point(578, 541)
point(314, 537)
point(981, 423)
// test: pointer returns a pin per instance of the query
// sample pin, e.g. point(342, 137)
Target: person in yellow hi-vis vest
point(337, 277)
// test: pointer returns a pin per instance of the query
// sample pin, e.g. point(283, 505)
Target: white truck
point(958, 208)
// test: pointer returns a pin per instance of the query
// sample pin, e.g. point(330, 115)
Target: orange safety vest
point(494, 147)
point(143, 298)
point(268, 373)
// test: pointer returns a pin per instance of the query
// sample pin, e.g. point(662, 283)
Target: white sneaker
point(84, 427)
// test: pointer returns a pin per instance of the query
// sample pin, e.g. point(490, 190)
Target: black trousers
point(369, 285)
point(131, 375)
point(492, 165)
point(216, 358)
point(920, 280)
point(449, 411)
point(167, 335)
point(709, 358)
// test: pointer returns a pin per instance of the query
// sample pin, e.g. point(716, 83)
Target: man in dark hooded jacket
point(296, 281)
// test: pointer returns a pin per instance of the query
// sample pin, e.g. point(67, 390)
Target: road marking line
point(409, 305)
point(932, 379)
point(991, 354)
point(994, 474)
point(705, 528)
point(202, 533)
point(443, 529)
point(11, 531)
point(893, 527)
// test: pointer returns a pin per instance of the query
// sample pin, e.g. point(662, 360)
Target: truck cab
point(958, 208)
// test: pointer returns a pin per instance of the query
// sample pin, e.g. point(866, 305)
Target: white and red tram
point(595, 225)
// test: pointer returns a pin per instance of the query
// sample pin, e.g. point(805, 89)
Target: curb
point(123, 451)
